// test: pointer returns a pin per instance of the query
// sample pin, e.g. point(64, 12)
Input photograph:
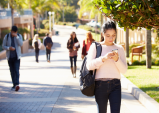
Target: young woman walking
point(36, 43)
point(73, 46)
point(86, 44)
point(109, 65)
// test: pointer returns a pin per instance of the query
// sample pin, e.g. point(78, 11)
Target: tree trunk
point(148, 49)
point(116, 35)
point(127, 42)
point(36, 24)
point(12, 15)
point(101, 22)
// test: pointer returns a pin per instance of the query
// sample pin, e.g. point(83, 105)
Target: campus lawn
point(145, 79)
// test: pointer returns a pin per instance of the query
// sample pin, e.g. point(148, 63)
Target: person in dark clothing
point(12, 43)
point(73, 46)
point(48, 44)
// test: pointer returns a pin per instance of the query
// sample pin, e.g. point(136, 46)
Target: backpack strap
point(98, 52)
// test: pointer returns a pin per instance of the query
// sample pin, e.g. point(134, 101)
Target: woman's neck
point(107, 44)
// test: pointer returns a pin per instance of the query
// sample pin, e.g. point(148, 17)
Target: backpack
point(36, 45)
point(87, 78)
point(48, 44)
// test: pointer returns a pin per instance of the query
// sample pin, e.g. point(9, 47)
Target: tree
point(14, 4)
point(86, 6)
point(39, 8)
point(132, 14)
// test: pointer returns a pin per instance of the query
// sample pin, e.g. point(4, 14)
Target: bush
point(143, 62)
point(30, 41)
point(157, 62)
point(41, 39)
point(136, 62)
point(41, 32)
point(156, 50)
point(22, 31)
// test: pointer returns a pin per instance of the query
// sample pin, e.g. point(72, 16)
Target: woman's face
point(109, 36)
point(73, 35)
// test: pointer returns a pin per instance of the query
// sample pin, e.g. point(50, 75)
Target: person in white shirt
point(36, 43)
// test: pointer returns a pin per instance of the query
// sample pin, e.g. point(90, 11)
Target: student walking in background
point(86, 44)
point(48, 44)
point(110, 65)
point(12, 43)
point(36, 43)
point(73, 46)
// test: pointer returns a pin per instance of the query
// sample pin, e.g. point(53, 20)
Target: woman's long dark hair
point(106, 26)
point(71, 38)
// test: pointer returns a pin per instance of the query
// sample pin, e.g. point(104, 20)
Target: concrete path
point(50, 87)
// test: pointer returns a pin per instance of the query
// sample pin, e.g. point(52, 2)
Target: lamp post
point(53, 20)
point(49, 20)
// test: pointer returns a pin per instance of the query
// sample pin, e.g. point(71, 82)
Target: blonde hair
point(36, 36)
point(89, 37)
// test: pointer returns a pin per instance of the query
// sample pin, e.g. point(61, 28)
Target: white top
point(39, 43)
point(109, 68)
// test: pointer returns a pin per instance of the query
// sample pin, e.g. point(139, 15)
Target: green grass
point(145, 79)
point(153, 58)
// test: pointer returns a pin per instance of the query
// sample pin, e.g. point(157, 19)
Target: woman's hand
point(82, 56)
point(115, 57)
point(74, 48)
point(111, 55)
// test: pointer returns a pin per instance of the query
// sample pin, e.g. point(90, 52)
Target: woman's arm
point(92, 61)
point(121, 63)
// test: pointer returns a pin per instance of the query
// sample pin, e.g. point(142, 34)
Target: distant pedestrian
point(48, 44)
point(12, 43)
point(86, 44)
point(36, 43)
point(110, 65)
point(73, 45)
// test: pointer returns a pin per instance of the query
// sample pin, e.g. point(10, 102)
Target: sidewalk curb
point(145, 99)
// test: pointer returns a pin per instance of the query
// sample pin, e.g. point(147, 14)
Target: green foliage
point(136, 62)
point(30, 41)
point(87, 6)
point(157, 62)
point(41, 39)
point(22, 31)
point(3, 33)
point(69, 14)
point(131, 13)
point(157, 38)
point(156, 50)
point(41, 32)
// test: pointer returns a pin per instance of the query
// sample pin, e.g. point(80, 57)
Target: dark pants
point(111, 90)
point(48, 54)
point(75, 60)
point(37, 55)
point(14, 65)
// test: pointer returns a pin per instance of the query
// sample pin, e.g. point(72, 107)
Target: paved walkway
point(50, 87)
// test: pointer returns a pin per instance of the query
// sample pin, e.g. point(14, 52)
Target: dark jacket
point(70, 44)
point(47, 40)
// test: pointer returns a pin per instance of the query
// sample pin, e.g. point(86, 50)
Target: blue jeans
point(14, 65)
point(111, 90)
point(71, 60)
